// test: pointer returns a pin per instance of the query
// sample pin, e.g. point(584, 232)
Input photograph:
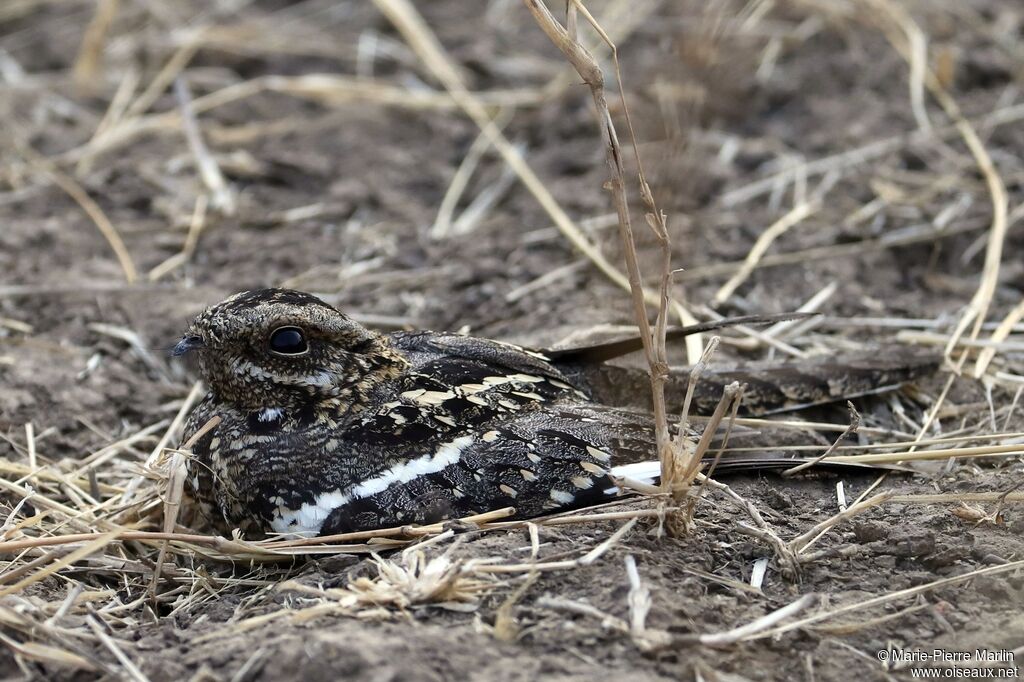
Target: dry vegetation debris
point(422, 167)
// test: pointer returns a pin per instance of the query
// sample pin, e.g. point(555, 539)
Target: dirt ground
point(334, 186)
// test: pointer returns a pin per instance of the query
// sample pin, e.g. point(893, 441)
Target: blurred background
point(862, 158)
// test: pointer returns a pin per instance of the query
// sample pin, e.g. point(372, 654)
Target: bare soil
point(338, 196)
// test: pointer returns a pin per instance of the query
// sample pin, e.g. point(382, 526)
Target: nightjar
point(328, 427)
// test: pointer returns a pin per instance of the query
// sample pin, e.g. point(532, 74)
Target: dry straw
point(119, 512)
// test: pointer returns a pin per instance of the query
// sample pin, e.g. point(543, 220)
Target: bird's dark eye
point(288, 341)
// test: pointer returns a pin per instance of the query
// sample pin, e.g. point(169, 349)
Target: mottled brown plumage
point(328, 427)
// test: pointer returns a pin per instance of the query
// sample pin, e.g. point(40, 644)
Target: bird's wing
point(455, 386)
point(536, 459)
point(609, 350)
point(770, 387)
point(558, 457)
point(439, 348)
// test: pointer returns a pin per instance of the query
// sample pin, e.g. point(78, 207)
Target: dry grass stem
point(755, 628)
point(442, 226)
point(408, 21)
point(868, 152)
point(796, 215)
point(851, 429)
point(585, 560)
point(330, 89)
point(888, 598)
point(979, 305)
point(130, 668)
point(195, 228)
point(996, 342)
point(695, 373)
point(87, 64)
point(653, 340)
point(761, 530)
point(74, 190)
point(222, 197)
point(639, 601)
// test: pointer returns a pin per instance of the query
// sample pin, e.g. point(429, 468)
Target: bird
point(325, 426)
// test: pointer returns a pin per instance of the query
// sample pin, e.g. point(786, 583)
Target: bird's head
point(283, 347)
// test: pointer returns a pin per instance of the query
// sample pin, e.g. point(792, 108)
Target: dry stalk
point(685, 459)
point(756, 627)
point(96, 545)
point(222, 196)
point(787, 558)
point(74, 190)
point(866, 153)
point(851, 429)
point(118, 103)
point(506, 626)
point(908, 38)
point(87, 64)
point(585, 560)
point(130, 668)
point(1000, 334)
point(416, 32)
point(193, 396)
point(331, 89)
point(801, 542)
point(195, 228)
point(926, 234)
point(44, 653)
point(694, 500)
point(757, 251)
point(888, 598)
point(691, 386)
point(172, 505)
point(730, 400)
point(653, 640)
point(654, 346)
point(639, 600)
point(168, 72)
point(442, 226)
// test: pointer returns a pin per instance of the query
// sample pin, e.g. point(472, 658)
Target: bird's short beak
point(187, 343)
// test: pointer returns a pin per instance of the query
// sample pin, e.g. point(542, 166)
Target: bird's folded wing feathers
point(502, 356)
point(608, 350)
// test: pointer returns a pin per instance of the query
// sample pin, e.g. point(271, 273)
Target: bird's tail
point(770, 388)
